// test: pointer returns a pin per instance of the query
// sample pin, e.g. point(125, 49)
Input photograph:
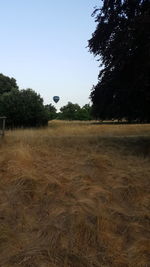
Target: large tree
point(122, 43)
point(23, 108)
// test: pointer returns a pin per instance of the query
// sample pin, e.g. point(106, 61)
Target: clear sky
point(43, 46)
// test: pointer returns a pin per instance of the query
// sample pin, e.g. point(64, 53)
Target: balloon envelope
point(56, 99)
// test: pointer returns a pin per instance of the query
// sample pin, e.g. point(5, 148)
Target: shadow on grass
point(139, 146)
point(114, 123)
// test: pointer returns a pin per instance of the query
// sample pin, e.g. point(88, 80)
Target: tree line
point(25, 108)
point(70, 112)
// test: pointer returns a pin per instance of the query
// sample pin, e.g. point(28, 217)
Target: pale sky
point(43, 46)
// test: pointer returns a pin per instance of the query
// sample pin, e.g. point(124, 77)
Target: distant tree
point(75, 112)
point(85, 113)
point(7, 84)
point(52, 111)
point(88, 111)
point(69, 112)
point(122, 43)
point(23, 108)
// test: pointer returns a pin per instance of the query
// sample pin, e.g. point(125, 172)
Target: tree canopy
point(51, 111)
point(23, 108)
point(7, 84)
point(121, 42)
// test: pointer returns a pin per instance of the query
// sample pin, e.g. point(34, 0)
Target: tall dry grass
point(75, 195)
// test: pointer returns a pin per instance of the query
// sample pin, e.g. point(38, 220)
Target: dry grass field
point(75, 195)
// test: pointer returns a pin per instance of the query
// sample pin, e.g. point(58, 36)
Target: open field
point(75, 195)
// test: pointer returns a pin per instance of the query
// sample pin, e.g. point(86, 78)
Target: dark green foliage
point(85, 113)
point(70, 111)
point(122, 42)
point(51, 111)
point(75, 112)
point(23, 108)
point(7, 84)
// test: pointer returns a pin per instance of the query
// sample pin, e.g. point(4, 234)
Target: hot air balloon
point(56, 98)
